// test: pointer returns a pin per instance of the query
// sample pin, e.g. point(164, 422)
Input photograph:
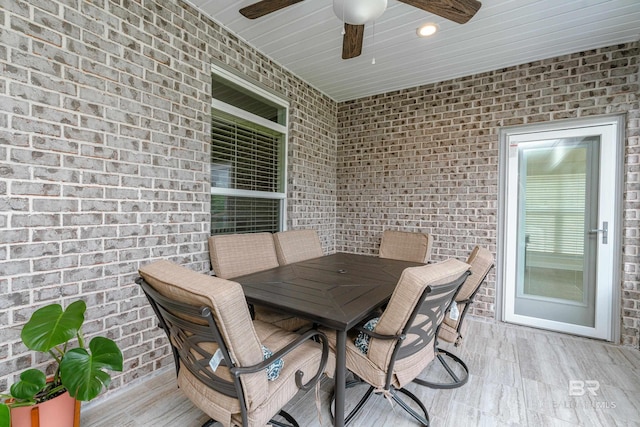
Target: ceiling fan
point(459, 11)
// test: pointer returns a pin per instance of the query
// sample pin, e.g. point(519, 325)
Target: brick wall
point(104, 144)
point(426, 158)
point(104, 160)
point(311, 177)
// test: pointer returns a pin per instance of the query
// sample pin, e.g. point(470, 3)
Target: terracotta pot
point(61, 411)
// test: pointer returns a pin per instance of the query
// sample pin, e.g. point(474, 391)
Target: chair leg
point(292, 421)
point(424, 420)
point(357, 408)
point(457, 381)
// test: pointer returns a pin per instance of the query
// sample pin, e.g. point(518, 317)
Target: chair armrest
point(380, 336)
point(240, 370)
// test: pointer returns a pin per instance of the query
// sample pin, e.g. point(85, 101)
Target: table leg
point(340, 376)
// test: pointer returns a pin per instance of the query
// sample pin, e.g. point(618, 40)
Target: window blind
point(554, 213)
point(244, 215)
point(245, 156)
point(247, 152)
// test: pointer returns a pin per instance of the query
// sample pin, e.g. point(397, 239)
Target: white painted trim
point(243, 114)
point(607, 313)
point(279, 128)
point(227, 75)
point(216, 191)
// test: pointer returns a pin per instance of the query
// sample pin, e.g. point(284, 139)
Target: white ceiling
point(305, 38)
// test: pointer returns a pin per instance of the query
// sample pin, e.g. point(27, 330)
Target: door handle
point(604, 230)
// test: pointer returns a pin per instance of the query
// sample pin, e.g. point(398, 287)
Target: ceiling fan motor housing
point(359, 12)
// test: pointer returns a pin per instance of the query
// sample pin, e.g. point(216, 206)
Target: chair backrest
point(416, 310)
point(234, 255)
point(406, 246)
point(297, 245)
point(481, 261)
point(202, 314)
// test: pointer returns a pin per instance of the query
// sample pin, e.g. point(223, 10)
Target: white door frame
point(610, 314)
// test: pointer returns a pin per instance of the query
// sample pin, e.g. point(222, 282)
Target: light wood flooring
point(519, 377)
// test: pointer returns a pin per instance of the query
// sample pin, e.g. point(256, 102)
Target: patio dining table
point(336, 291)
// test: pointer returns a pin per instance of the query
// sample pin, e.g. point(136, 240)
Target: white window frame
point(245, 115)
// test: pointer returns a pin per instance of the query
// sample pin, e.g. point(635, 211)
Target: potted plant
point(80, 372)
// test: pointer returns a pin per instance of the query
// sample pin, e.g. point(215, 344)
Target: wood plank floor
point(519, 377)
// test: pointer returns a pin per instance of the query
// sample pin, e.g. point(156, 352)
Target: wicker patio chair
point(238, 371)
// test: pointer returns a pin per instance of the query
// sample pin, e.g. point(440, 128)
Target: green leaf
point(106, 354)
point(50, 326)
point(5, 416)
point(31, 382)
point(83, 374)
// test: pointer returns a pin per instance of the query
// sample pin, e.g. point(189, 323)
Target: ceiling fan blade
point(459, 11)
point(265, 7)
point(352, 41)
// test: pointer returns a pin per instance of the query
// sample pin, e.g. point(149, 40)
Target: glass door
point(558, 260)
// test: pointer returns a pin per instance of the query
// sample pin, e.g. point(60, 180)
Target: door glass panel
point(557, 206)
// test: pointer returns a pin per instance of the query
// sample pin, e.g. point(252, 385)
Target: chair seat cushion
point(453, 323)
point(449, 328)
point(281, 320)
point(405, 369)
point(226, 410)
point(305, 358)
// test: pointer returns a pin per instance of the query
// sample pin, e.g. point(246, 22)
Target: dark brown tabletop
point(336, 291)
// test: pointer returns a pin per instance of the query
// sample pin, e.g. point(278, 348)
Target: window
point(248, 157)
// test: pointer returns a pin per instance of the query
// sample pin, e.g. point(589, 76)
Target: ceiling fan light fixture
point(359, 12)
point(427, 29)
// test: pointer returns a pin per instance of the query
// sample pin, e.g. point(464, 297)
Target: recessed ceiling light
point(426, 30)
